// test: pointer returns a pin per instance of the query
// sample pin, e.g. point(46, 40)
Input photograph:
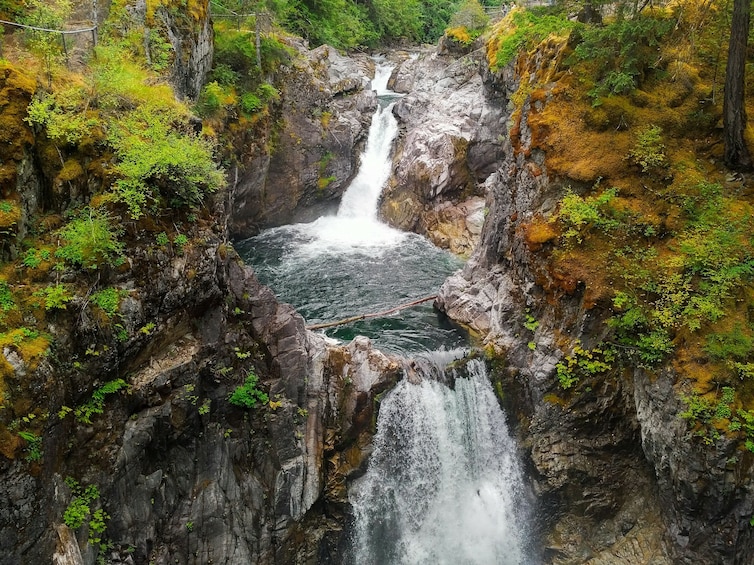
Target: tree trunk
point(734, 104)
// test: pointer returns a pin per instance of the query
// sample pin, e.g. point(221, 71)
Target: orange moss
point(30, 348)
point(10, 443)
point(10, 214)
point(459, 34)
point(538, 232)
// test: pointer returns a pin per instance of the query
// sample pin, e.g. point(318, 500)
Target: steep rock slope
point(119, 440)
point(618, 478)
point(298, 168)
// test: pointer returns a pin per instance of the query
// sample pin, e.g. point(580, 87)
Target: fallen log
point(367, 316)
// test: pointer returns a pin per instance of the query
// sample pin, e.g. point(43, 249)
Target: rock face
point(449, 145)
point(185, 475)
point(318, 132)
point(188, 28)
point(618, 476)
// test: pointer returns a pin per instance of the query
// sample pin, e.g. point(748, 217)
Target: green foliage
point(470, 15)
point(33, 257)
point(698, 409)
point(531, 323)
point(708, 415)
point(6, 297)
point(61, 117)
point(33, 445)
point(160, 51)
point(160, 165)
point(96, 404)
point(162, 239)
point(579, 214)
point(622, 51)
point(248, 395)
point(738, 343)
point(108, 299)
point(649, 150)
point(224, 75)
point(396, 19)
point(250, 103)
point(79, 511)
point(340, 23)
point(584, 363)
point(529, 29)
point(55, 296)
point(91, 240)
point(211, 99)
point(180, 242)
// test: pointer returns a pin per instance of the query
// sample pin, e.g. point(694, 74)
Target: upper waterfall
point(363, 194)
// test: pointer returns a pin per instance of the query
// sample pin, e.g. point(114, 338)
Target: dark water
point(341, 267)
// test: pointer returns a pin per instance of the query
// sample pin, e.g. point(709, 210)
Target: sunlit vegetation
point(123, 158)
point(350, 24)
point(653, 229)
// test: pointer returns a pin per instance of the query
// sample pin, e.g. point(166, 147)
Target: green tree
point(470, 15)
point(396, 19)
point(50, 14)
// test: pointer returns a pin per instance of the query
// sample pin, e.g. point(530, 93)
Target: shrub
point(248, 395)
point(250, 103)
point(623, 51)
point(158, 162)
point(470, 15)
point(579, 214)
point(649, 150)
point(6, 297)
point(55, 296)
point(91, 240)
point(62, 116)
point(96, 404)
point(108, 299)
point(584, 363)
point(33, 445)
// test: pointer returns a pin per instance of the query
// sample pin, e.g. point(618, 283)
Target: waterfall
point(361, 198)
point(382, 74)
point(443, 485)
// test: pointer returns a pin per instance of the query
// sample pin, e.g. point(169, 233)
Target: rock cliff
point(618, 476)
point(315, 139)
point(449, 144)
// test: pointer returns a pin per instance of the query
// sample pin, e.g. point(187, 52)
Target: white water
point(443, 486)
point(356, 225)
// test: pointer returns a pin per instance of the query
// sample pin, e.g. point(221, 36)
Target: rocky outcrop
point(318, 132)
point(618, 476)
point(449, 145)
point(184, 475)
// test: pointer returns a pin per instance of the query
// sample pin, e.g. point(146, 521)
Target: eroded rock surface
point(449, 145)
point(315, 140)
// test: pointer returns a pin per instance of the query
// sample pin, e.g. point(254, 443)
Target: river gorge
point(439, 433)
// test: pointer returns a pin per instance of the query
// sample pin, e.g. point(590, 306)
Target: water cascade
point(350, 264)
point(443, 485)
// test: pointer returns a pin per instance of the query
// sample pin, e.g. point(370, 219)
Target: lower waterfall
point(443, 484)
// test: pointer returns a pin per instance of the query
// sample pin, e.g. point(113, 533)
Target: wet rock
point(450, 143)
